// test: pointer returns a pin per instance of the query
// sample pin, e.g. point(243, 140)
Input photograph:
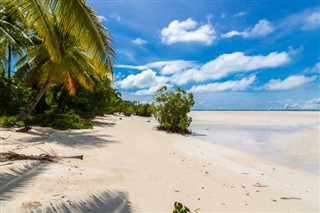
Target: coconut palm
point(13, 38)
point(76, 18)
point(73, 43)
point(37, 67)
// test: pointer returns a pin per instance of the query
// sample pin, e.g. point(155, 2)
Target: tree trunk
point(34, 103)
point(9, 60)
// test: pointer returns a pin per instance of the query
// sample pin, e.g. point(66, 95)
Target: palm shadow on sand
point(93, 138)
point(13, 180)
point(105, 201)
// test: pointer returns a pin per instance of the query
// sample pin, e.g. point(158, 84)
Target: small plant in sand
point(171, 109)
point(179, 208)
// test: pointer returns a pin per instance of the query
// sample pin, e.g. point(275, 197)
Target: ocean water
point(278, 138)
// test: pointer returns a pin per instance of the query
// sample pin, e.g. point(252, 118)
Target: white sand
point(131, 166)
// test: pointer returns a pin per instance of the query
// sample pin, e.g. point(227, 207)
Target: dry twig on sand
point(11, 156)
point(290, 198)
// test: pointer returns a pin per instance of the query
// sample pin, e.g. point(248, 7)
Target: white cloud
point(165, 67)
point(227, 64)
point(240, 14)
point(312, 21)
point(314, 69)
point(102, 18)
point(291, 82)
point(138, 41)
point(181, 72)
point(242, 84)
point(147, 78)
point(261, 29)
point(151, 90)
point(188, 31)
point(313, 104)
point(115, 16)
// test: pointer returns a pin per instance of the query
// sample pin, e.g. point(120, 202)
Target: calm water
point(260, 140)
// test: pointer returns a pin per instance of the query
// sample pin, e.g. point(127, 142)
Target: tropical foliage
point(13, 96)
point(63, 58)
point(70, 44)
point(171, 109)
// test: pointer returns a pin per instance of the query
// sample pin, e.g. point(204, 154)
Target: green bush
point(171, 109)
point(10, 121)
point(65, 121)
point(14, 97)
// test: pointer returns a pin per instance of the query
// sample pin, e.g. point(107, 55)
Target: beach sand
point(129, 166)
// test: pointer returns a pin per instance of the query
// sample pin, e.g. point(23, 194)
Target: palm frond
point(79, 19)
point(69, 85)
point(36, 15)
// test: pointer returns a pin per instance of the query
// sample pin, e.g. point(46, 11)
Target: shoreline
point(128, 164)
point(287, 138)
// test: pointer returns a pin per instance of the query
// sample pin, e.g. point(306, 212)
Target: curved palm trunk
point(9, 60)
point(34, 103)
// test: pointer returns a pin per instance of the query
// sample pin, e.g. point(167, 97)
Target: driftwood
point(11, 156)
point(26, 128)
point(290, 198)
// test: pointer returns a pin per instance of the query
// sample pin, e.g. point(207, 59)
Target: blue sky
point(229, 54)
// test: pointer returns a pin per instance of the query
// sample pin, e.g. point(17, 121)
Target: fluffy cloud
point(288, 83)
point(145, 79)
point(138, 41)
point(242, 84)
point(151, 90)
point(165, 67)
point(261, 29)
point(227, 64)
point(187, 31)
point(181, 72)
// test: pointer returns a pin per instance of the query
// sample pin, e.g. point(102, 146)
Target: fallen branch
point(11, 156)
point(290, 198)
point(26, 128)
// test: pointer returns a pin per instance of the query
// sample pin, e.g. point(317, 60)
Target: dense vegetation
point(61, 75)
point(171, 109)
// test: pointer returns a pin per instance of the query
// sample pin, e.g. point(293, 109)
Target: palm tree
point(76, 44)
point(37, 67)
point(14, 39)
point(76, 18)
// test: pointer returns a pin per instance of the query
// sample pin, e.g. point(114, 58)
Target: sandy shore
point(129, 166)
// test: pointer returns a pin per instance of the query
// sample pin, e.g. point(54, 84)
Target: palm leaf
point(36, 15)
point(79, 19)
